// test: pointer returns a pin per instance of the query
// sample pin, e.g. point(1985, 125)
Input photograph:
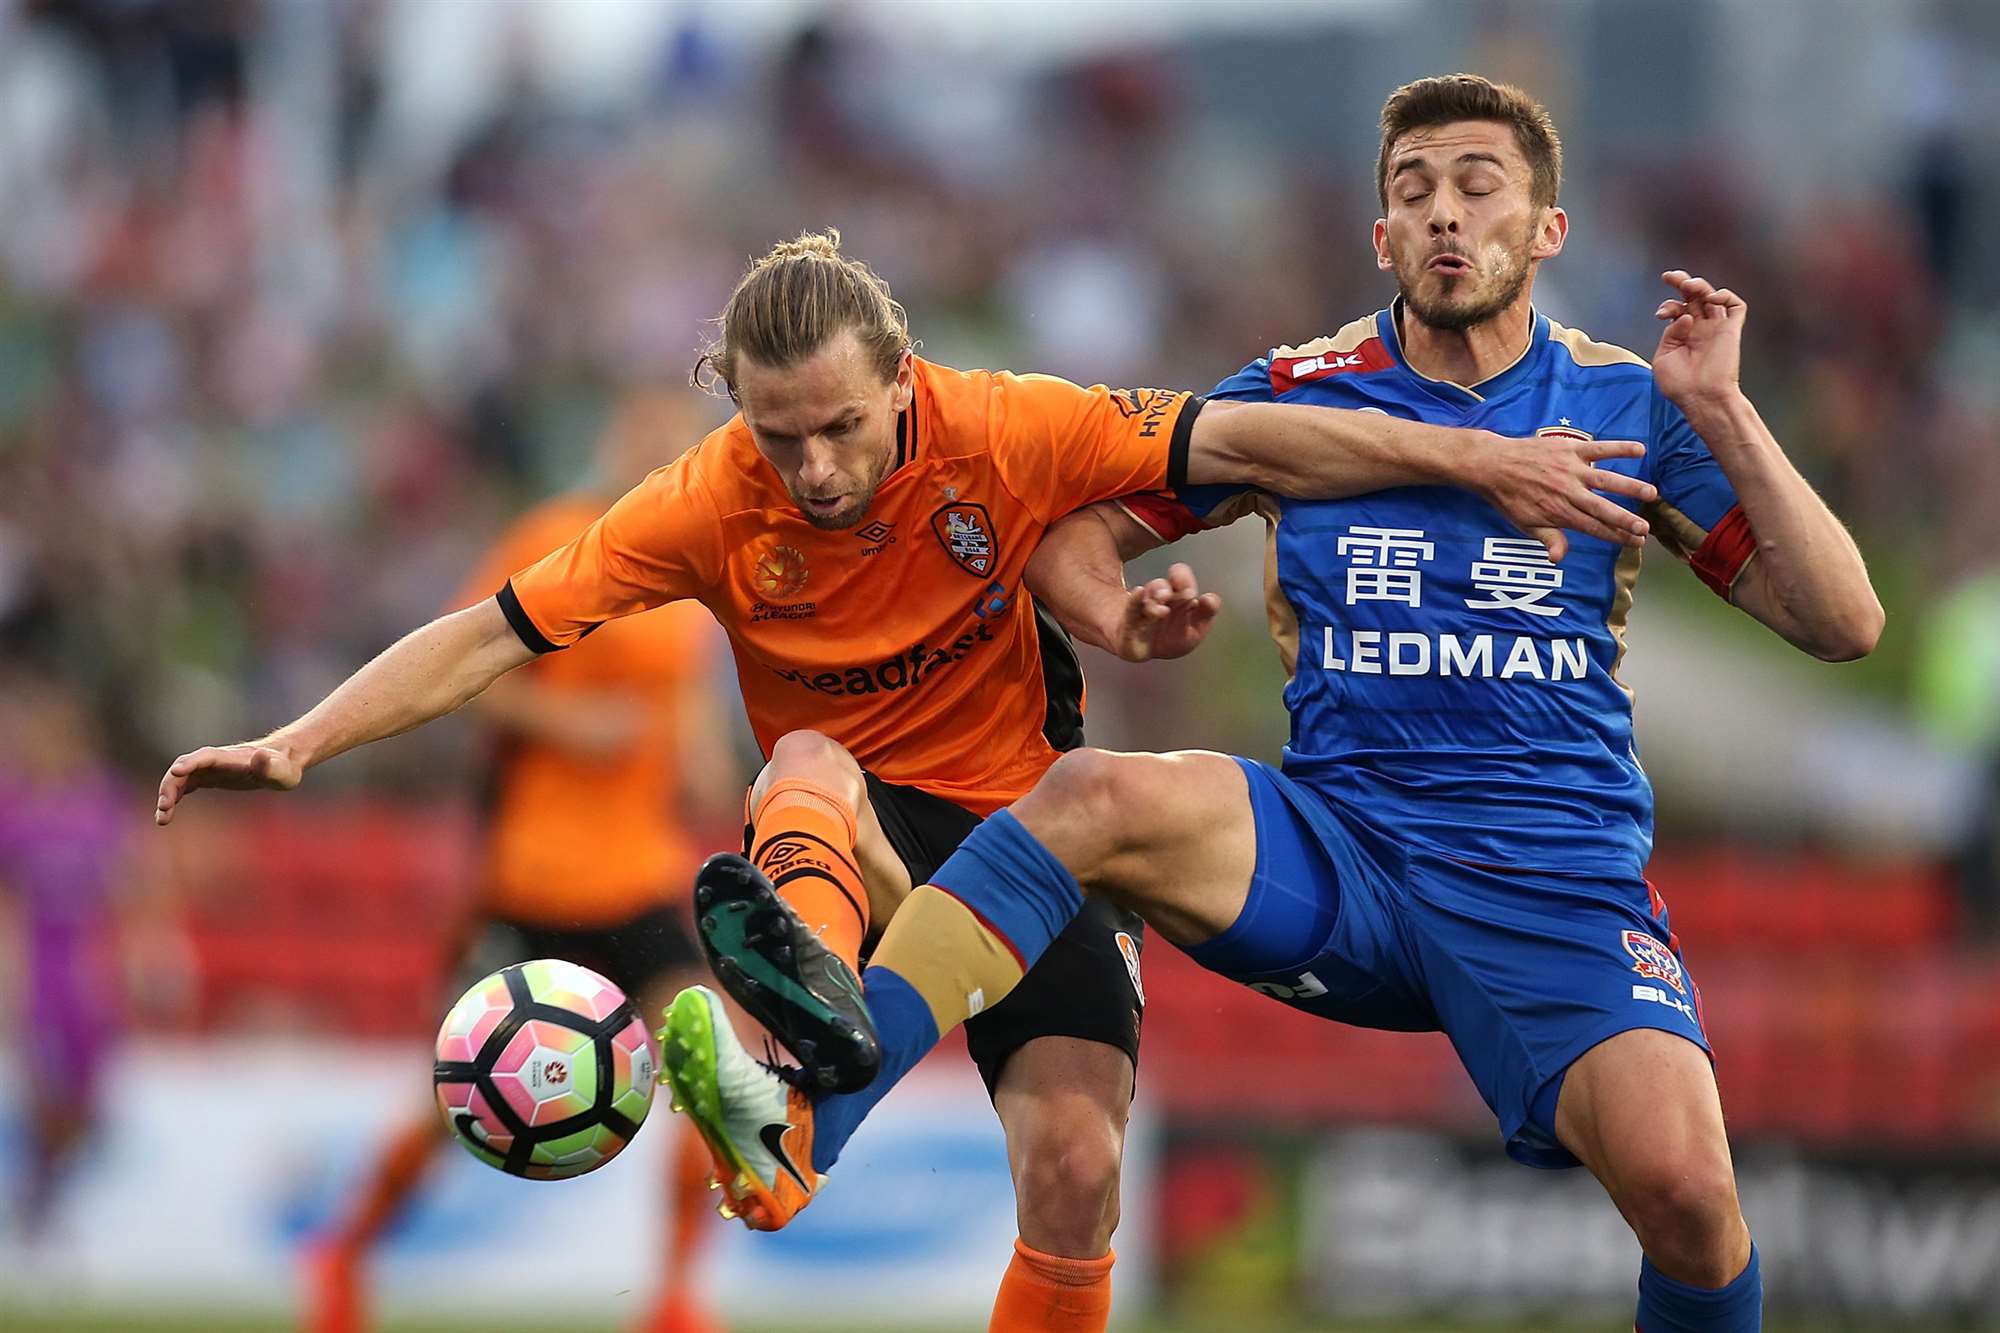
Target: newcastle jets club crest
point(967, 533)
point(1565, 430)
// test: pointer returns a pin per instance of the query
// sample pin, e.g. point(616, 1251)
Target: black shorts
point(634, 953)
point(1086, 985)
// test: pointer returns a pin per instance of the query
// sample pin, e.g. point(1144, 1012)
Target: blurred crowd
point(278, 354)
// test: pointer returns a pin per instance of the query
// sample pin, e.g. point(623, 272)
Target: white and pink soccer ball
point(544, 1070)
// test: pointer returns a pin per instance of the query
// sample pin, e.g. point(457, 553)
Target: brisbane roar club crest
point(779, 573)
point(966, 531)
point(1654, 960)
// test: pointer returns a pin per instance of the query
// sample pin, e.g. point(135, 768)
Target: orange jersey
point(907, 638)
point(584, 840)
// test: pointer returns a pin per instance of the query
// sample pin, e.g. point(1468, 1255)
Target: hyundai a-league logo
point(779, 573)
point(966, 530)
point(1652, 959)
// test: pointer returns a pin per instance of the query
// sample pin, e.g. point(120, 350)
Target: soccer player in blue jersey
point(1458, 836)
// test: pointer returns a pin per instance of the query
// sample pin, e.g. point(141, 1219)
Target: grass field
point(135, 1321)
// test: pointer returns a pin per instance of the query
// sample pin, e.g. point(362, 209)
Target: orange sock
point(679, 1307)
point(803, 839)
point(692, 1215)
point(1043, 1293)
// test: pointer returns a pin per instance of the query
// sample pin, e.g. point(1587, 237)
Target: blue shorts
point(1523, 970)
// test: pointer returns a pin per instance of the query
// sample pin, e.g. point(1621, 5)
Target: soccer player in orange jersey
point(597, 759)
point(861, 529)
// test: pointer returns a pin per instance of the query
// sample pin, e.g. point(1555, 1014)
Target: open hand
point(1550, 483)
point(1701, 350)
point(1165, 618)
point(246, 767)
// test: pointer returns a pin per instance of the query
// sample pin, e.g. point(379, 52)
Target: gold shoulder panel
point(1587, 351)
point(1349, 337)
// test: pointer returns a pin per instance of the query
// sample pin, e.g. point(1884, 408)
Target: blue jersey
point(1449, 684)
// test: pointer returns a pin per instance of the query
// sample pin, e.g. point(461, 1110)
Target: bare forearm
point(422, 676)
point(1078, 573)
point(1323, 453)
point(1542, 487)
point(1808, 581)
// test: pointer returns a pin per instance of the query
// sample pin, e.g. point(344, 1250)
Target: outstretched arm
point(1807, 580)
point(1078, 572)
point(423, 675)
point(1542, 486)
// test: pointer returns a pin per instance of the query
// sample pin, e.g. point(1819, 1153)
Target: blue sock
point(1667, 1306)
point(904, 1023)
point(1017, 891)
point(1004, 874)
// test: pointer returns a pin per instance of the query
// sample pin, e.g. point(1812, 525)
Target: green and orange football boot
point(758, 1126)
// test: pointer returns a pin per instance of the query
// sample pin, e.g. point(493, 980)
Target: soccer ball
point(544, 1070)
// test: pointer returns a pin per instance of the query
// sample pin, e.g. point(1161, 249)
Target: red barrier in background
point(330, 916)
point(1842, 1005)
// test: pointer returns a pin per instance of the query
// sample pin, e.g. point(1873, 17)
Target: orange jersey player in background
point(863, 532)
point(599, 762)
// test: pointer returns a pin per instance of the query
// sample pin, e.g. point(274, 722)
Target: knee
point(1084, 792)
point(814, 757)
point(1067, 1190)
point(1083, 778)
point(1688, 1220)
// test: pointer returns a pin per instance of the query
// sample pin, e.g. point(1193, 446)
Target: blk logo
point(1316, 365)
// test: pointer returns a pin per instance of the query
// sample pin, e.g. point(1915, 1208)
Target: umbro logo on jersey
point(877, 536)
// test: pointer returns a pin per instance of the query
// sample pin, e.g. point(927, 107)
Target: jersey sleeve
point(662, 541)
point(1252, 384)
point(1193, 508)
point(1161, 513)
point(1697, 516)
point(1059, 446)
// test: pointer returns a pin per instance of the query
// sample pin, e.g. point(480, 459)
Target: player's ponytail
point(793, 301)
